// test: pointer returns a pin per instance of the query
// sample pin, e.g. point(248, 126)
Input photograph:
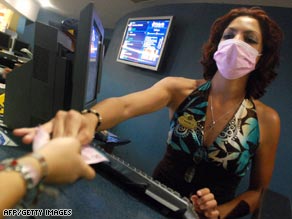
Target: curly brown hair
point(264, 72)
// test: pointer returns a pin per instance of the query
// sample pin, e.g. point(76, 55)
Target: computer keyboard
point(4, 137)
point(8, 55)
point(132, 176)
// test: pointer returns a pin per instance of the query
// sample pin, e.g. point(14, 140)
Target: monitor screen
point(88, 59)
point(5, 41)
point(18, 45)
point(144, 41)
point(93, 63)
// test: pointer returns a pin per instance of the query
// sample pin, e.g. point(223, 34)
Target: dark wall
point(46, 16)
point(192, 22)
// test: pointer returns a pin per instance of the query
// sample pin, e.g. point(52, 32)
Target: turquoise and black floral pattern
point(235, 145)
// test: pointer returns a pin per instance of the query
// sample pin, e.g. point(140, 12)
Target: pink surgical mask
point(235, 58)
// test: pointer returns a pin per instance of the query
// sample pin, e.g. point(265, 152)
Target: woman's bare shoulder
point(269, 121)
point(266, 113)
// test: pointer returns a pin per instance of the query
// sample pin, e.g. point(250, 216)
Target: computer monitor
point(88, 59)
point(144, 41)
point(18, 45)
point(5, 41)
point(57, 77)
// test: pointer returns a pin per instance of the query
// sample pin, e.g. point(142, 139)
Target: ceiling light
point(46, 3)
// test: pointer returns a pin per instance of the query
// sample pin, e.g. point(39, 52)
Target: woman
point(218, 125)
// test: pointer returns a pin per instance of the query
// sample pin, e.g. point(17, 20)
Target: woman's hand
point(65, 123)
point(65, 163)
point(205, 204)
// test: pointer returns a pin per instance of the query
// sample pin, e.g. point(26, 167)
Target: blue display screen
point(93, 64)
point(94, 40)
point(144, 41)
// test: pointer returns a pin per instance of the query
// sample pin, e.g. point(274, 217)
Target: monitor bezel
point(88, 18)
point(163, 47)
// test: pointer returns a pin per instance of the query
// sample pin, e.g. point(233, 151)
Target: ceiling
point(111, 10)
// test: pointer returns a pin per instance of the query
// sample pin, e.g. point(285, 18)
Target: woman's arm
point(115, 110)
point(112, 111)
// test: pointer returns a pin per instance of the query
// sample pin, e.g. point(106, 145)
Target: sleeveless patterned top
point(221, 165)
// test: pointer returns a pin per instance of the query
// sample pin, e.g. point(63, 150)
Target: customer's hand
point(205, 204)
point(65, 163)
point(65, 123)
point(5, 72)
